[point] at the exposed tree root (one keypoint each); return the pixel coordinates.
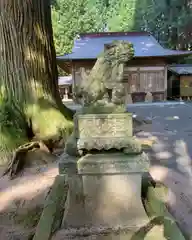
(46, 131)
(30, 106)
(19, 157)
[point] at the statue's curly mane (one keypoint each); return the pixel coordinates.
(106, 73)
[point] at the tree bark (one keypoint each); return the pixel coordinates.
(30, 105)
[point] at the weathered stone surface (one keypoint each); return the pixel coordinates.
(74, 206)
(109, 181)
(104, 131)
(105, 125)
(74, 215)
(109, 128)
(67, 164)
(157, 210)
(51, 217)
(133, 146)
(102, 108)
(119, 93)
(105, 188)
(127, 145)
(110, 202)
(94, 234)
(71, 145)
(160, 226)
(113, 163)
(155, 232)
(106, 75)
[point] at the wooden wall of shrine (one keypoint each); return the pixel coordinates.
(140, 76)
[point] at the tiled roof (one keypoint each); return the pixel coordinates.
(89, 46)
(181, 69)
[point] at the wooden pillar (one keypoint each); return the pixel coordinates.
(165, 84)
(73, 80)
(66, 90)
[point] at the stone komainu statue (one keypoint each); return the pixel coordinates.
(105, 81)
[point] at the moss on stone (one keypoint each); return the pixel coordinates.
(104, 82)
(53, 211)
(156, 209)
(25, 218)
(101, 108)
(30, 218)
(71, 146)
(133, 146)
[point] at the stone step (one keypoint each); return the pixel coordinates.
(148, 232)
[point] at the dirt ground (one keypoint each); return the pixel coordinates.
(22, 199)
(28, 192)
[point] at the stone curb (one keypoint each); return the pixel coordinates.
(156, 208)
(51, 217)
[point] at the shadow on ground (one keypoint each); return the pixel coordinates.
(22, 201)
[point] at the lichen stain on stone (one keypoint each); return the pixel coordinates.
(80, 198)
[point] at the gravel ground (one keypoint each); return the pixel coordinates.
(171, 155)
(172, 125)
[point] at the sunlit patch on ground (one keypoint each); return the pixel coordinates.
(25, 188)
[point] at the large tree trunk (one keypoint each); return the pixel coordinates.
(30, 105)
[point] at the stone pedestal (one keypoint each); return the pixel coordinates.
(105, 190)
(111, 192)
(74, 206)
(103, 131)
(112, 189)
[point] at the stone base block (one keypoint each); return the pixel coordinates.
(106, 192)
(114, 201)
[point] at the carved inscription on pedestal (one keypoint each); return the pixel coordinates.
(105, 125)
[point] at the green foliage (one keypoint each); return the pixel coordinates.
(69, 18)
(121, 15)
(168, 20)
